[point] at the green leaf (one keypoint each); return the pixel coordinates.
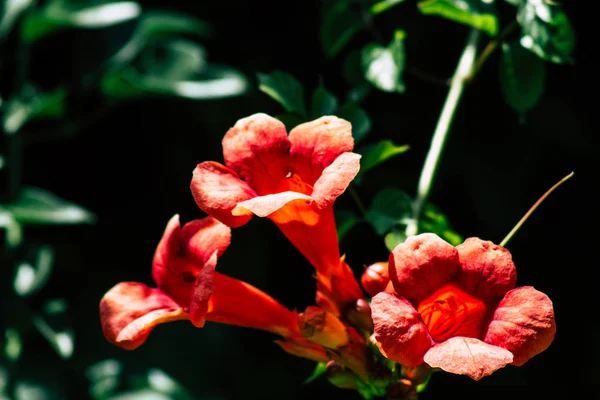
(285, 89)
(433, 220)
(319, 370)
(20, 110)
(11, 12)
(361, 123)
(546, 31)
(391, 211)
(341, 21)
(384, 5)
(522, 76)
(375, 154)
(175, 67)
(323, 103)
(32, 274)
(60, 14)
(155, 26)
(384, 66)
(394, 238)
(476, 13)
(13, 348)
(38, 206)
(389, 208)
(345, 220)
(61, 340)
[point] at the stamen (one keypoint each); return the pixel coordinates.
(450, 312)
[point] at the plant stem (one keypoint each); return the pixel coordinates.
(457, 85)
(357, 200)
(490, 48)
(532, 209)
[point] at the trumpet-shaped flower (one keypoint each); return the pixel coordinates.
(456, 308)
(293, 180)
(188, 288)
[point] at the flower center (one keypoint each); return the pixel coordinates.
(293, 182)
(450, 312)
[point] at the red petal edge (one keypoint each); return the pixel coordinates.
(468, 356)
(523, 323)
(400, 334)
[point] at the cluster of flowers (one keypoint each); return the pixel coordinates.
(430, 306)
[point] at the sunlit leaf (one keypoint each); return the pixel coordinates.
(10, 12)
(546, 31)
(13, 346)
(361, 123)
(62, 341)
(375, 154)
(390, 207)
(394, 238)
(384, 66)
(479, 14)
(14, 230)
(141, 394)
(104, 377)
(153, 26)
(174, 67)
(31, 105)
(60, 14)
(285, 89)
(160, 382)
(384, 5)
(323, 103)
(433, 220)
(345, 220)
(38, 206)
(28, 390)
(167, 23)
(522, 77)
(341, 21)
(33, 272)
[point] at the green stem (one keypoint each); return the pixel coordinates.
(457, 85)
(357, 200)
(532, 209)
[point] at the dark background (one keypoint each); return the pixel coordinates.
(133, 169)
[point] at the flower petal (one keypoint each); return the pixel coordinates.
(335, 179)
(401, 335)
(468, 356)
(264, 206)
(168, 249)
(238, 303)
(487, 270)
(217, 190)
(523, 323)
(130, 310)
(421, 265)
(200, 238)
(174, 274)
(316, 144)
(302, 347)
(203, 290)
(256, 148)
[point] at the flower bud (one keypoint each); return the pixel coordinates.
(359, 315)
(375, 278)
(322, 327)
